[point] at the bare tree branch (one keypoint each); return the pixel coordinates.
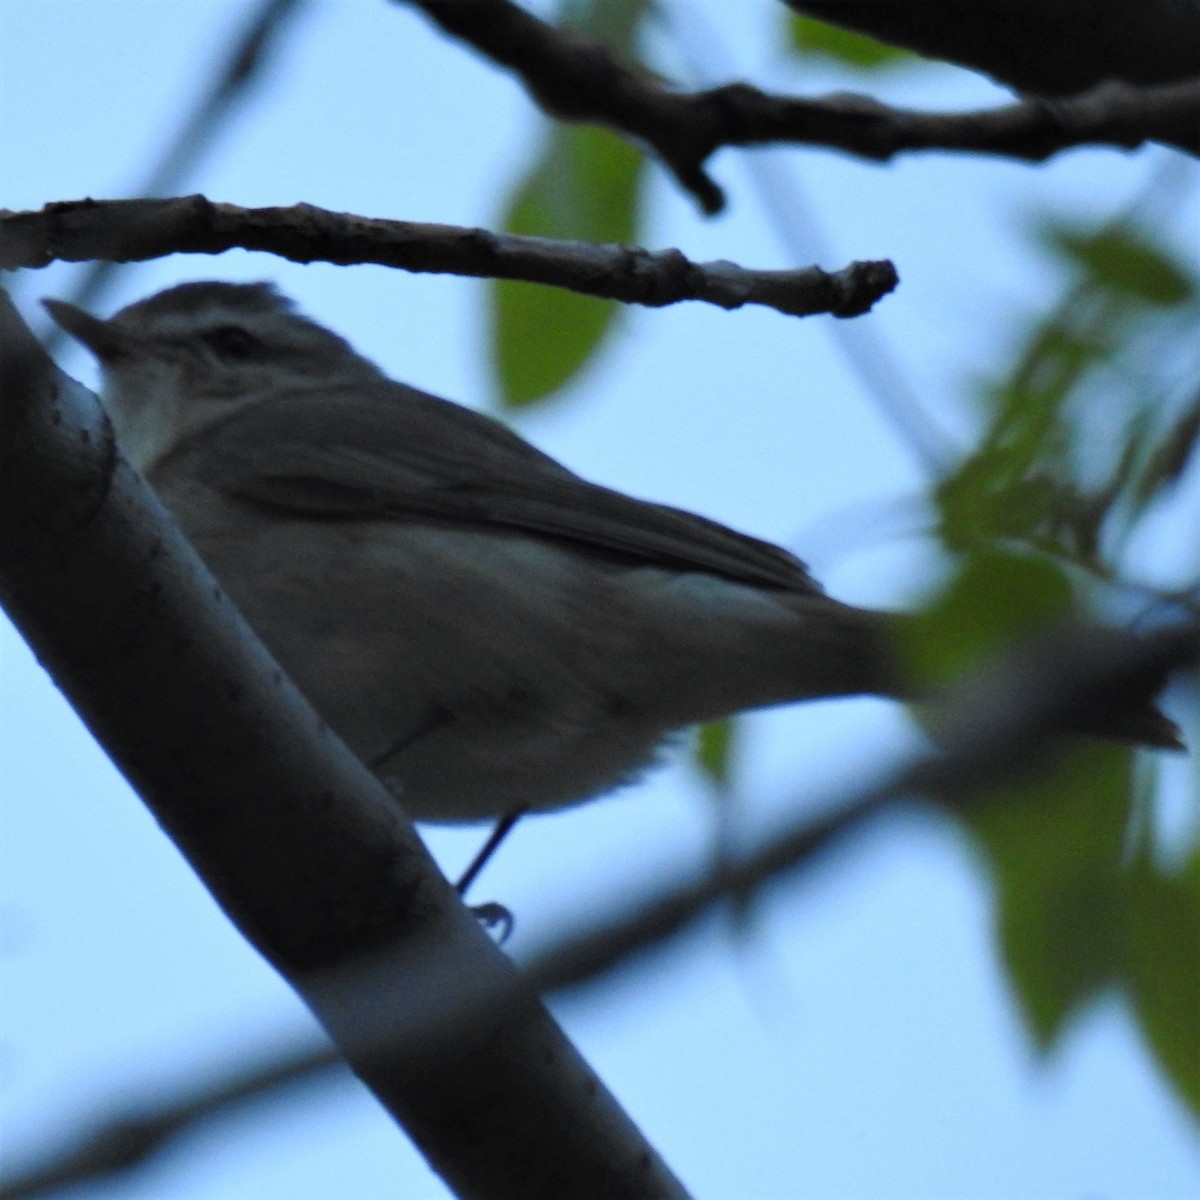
(1002, 725)
(294, 838)
(576, 78)
(998, 727)
(118, 1144)
(579, 79)
(1047, 47)
(1112, 114)
(132, 230)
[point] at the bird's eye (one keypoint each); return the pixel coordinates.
(231, 341)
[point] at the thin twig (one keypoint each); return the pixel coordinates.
(142, 1128)
(134, 230)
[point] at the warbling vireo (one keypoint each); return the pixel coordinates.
(488, 631)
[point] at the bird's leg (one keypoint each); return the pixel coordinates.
(491, 914)
(501, 830)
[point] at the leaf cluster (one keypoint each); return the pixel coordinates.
(1094, 422)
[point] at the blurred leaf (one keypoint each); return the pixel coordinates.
(1066, 463)
(1082, 429)
(1054, 846)
(717, 748)
(1133, 452)
(1163, 965)
(585, 186)
(995, 597)
(1123, 259)
(989, 499)
(810, 38)
(1017, 483)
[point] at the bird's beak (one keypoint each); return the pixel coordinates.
(108, 342)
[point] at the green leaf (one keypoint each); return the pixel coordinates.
(585, 185)
(1163, 966)
(1023, 482)
(1124, 260)
(1054, 846)
(1075, 444)
(988, 498)
(717, 746)
(809, 38)
(995, 597)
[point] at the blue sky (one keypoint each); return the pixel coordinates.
(860, 1044)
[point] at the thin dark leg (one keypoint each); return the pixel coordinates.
(499, 833)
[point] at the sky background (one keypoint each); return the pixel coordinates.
(860, 1043)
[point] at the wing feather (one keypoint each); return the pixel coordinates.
(392, 452)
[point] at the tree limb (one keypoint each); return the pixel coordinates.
(1003, 724)
(1111, 114)
(134, 230)
(298, 843)
(579, 79)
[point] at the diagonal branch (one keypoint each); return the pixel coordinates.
(1003, 724)
(998, 727)
(133, 230)
(131, 1134)
(579, 79)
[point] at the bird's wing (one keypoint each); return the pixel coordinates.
(392, 452)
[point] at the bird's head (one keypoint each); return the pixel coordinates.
(190, 356)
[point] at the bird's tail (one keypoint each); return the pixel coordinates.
(1124, 710)
(1102, 682)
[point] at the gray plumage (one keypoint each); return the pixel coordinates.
(486, 629)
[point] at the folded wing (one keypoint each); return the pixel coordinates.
(392, 452)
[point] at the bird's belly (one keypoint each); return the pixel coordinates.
(476, 673)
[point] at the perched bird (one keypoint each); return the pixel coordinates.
(489, 632)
